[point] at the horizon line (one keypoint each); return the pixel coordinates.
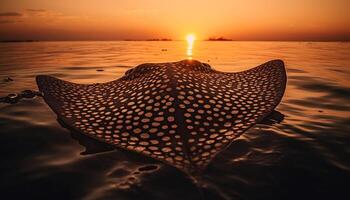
(147, 40)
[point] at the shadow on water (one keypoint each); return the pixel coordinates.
(276, 166)
(91, 145)
(273, 118)
(312, 84)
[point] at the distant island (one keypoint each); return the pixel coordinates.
(9, 41)
(162, 39)
(152, 39)
(218, 39)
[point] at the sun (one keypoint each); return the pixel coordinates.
(190, 39)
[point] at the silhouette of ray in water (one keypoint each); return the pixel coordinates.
(91, 145)
(273, 118)
(181, 113)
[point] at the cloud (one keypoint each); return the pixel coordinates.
(35, 10)
(34, 15)
(11, 14)
(42, 13)
(38, 12)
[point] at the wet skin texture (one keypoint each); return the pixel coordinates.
(182, 113)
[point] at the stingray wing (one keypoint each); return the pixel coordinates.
(181, 113)
(217, 107)
(135, 112)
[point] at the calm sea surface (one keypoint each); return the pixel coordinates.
(306, 156)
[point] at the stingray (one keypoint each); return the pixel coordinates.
(181, 113)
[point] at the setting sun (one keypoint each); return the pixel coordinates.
(190, 38)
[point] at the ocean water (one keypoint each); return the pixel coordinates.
(304, 156)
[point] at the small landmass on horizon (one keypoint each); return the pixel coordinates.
(161, 39)
(218, 39)
(151, 39)
(9, 41)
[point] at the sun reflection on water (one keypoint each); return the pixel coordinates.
(190, 38)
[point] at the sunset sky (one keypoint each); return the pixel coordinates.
(145, 19)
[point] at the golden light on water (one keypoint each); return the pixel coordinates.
(190, 38)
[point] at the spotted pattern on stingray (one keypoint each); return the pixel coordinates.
(182, 113)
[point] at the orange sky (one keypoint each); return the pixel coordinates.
(144, 19)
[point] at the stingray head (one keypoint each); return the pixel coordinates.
(182, 113)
